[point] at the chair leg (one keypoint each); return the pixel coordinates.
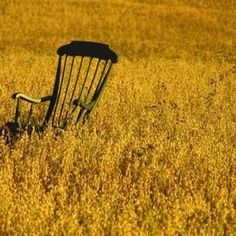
(17, 115)
(80, 117)
(27, 125)
(89, 113)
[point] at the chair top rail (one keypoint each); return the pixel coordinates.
(89, 49)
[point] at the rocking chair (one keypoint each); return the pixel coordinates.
(82, 73)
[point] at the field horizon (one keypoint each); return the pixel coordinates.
(158, 157)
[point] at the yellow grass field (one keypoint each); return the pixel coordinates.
(159, 155)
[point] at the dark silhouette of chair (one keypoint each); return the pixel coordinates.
(82, 73)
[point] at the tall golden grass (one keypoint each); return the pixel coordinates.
(159, 155)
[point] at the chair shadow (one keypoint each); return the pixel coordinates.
(9, 132)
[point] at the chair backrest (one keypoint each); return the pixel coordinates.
(82, 72)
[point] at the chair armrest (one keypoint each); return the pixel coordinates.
(87, 106)
(31, 99)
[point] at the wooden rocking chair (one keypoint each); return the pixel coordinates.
(82, 73)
